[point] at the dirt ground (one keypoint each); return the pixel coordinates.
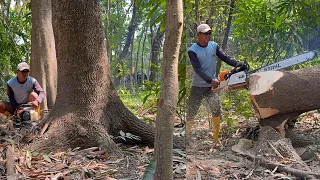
(208, 160)
(203, 160)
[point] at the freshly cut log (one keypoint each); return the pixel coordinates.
(279, 97)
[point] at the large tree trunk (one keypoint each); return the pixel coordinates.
(169, 91)
(87, 107)
(279, 97)
(43, 53)
(155, 54)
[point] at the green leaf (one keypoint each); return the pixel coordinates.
(279, 21)
(34, 154)
(163, 25)
(158, 19)
(154, 8)
(150, 170)
(138, 3)
(47, 158)
(145, 98)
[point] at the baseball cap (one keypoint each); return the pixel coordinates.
(23, 66)
(203, 28)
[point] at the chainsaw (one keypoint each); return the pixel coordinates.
(25, 112)
(238, 77)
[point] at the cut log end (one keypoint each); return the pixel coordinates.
(260, 83)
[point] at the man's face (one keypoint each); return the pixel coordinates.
(204, 37)
(22, 75)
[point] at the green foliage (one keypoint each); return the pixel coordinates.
(236, 104)
(153, 92)
(267, 31)
(15, 36)
(133, 101)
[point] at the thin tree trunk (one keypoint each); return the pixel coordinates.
(155, 55)
(137, 62)
(226, 35)
(211, 13)
(197, 11)
(142, 59)
(107, 4)
(131, 65)
(131, 29)
(169, 91)
(43, 53)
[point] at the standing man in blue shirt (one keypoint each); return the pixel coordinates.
(22, 89)
(203, 59)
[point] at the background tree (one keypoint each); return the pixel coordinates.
(129, 39)
(155, 54)
(43, 53)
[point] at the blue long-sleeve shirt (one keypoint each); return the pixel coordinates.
(204, 63)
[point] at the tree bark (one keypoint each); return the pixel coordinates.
(197, 11)
(226, 35)
(107, 4)
(87, 108)
(131, 29)
(282, 96)
(43, 52)
(169, 91)
(142, 58)
(137, 62)
(155, 55)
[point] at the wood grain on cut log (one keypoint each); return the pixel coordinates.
(282, 96)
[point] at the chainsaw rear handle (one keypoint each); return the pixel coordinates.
(239, 67)
(22, 106)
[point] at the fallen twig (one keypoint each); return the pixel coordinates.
(283, 168)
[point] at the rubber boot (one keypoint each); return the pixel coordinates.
(216, 127)
(38, 111)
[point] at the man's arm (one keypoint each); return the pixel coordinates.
(197, 67)
(41, 94)
(225, 57)
(12, 100)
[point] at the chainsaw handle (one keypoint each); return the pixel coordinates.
(21, 106)
(239, 67)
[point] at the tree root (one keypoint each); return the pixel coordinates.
(272, 146)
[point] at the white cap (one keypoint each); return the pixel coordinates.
(203, 28)
(23, 66)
